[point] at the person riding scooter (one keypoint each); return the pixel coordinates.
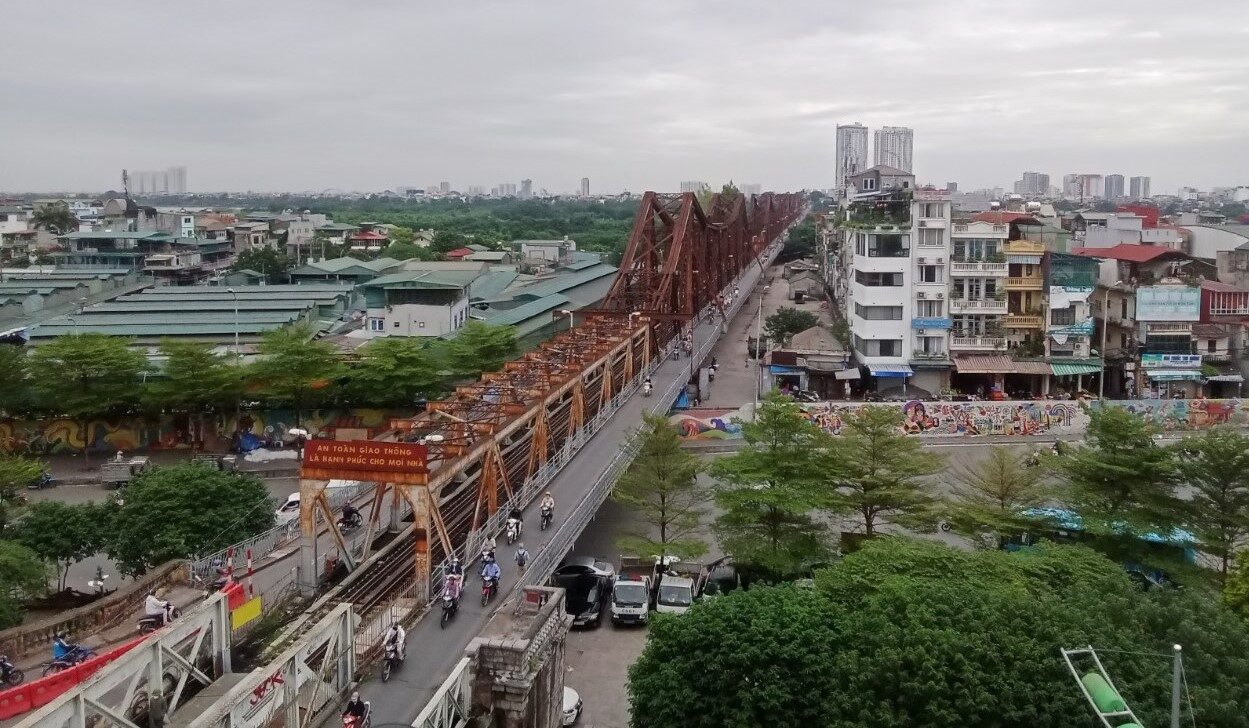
(515, 525)
(156, 608)
(398, 638)
(351, 515)
(647, 387)
(355, 711)
(487, 549)
(61, 647)
(547, 509)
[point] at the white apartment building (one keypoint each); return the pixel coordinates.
(893, 146)
(851, 153)
(978, 273)
(894, 258)
(1138, 188)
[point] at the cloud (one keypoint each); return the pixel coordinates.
(287, 95)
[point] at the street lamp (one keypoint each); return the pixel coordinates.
(1101, 383)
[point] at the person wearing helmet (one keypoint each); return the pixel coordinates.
(548, 501)
(456, 567)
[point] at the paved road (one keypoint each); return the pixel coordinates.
(433, 651)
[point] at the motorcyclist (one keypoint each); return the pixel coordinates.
(490, 571)
(350, 513)
(156, 607)
(548, 501)
(647, 387)
(355, 710)
(516, 515)
(452, 587)
(397, 637)
(487, 549)
(456, 568)
(61, 646)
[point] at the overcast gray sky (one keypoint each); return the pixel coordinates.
(279, 95)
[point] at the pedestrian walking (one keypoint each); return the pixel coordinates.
(522, 557)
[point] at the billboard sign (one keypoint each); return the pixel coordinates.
(386, 462)
(1168, 303)
(1170, 361)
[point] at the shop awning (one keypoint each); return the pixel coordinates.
(984, 364)
(1070, 369)
(1023, 259)
(890, 370)
(1174, 375)
(1227, 378)
(851, 373)
(775, 369)
(824, 363)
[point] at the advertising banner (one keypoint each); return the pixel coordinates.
(389, 462)
(1168, 303)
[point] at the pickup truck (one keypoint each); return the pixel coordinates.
(679, 585)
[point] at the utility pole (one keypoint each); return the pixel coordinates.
(1177, 670)
(758, 353)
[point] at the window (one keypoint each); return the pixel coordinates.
(377, 324)
(931, 209)
(888, 246)
(890, 347)
(1210, 347)
(929, 274)
(929, 308)
(877, 279)
(878, 313)
(931, 238)
(1063, 317)
(869, 183)
(1124, 306)
(396, 324)
(878, 347)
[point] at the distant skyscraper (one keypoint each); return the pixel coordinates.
(526, 189)
(1113, 186)
(1033, 183)
(170, 181)
(752, 188)
(893, 147)
(476, 190)
(585, 186)
(444, 187)
(851, 152)
(1139, 188)
(692, 185)
(505, 189)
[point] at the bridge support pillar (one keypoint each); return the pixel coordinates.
(309, 568)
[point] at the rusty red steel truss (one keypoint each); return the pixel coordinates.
(487, 440)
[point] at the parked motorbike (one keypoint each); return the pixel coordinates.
(546, 518)
(152, 622)
(513, 530)
(43, 481)
(449, 608)
(76, 654)
(488, 588)
(9, 674)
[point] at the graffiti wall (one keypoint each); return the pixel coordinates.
(1021, 419)
(214, 432)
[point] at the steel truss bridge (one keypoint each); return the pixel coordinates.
(492, 445)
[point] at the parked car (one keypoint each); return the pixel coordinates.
(587, 565)
(289, 510)
(572, 706)
(585, 596)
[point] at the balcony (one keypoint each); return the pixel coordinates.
(978, 305)
(962, 227)
(963, 268)
(931, 222)
(981, 342)
(929, 356)
(1025, 283)
(1024, 247)
(1024, 321)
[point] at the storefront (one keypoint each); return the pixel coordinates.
(890, 377)
(1168, 376)
(1073, 376)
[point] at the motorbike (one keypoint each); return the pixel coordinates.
(43, 481)
(647, 388)
(488, 588)
(711, 373)
(350, 721)
(390, 661)
(449, 608)
(76, 655)
(9, 674)
(513, 530)
(346, 522)
(152, 622)
(546, 517)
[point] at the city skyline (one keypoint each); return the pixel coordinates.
(620, 101)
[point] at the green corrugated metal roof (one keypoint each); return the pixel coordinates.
(561, 283)
(314, 287)
(115, 235)
(1072, 367)
(338, 265)
(425, 279)
(155, 330)
(90, 319)
(492, 284)
(519, 315)
(159, 305)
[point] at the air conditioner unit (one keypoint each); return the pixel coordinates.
(920, 331)
(921, 261)
(922, 223)
(940, 261)
(921, 294)
(940, 295)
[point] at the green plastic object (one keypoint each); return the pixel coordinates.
(1130, 725)
(1104, 696)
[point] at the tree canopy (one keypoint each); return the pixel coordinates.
(63, 533)
(786, 322)
(481, 347)
(55, 217)
(913, 633)
(1215, 464)
(271, 262)
(396, 371)
(185, 510)
(194, 378)
(661, 489)
(991, 496)
(22, 575)
(294, 367)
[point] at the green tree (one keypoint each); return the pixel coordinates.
(395, 371)
(661, 489)
(481, 347)
(786, 322)
(1236, 586)
(1215, 465)
(1121, 478)
(22, 575)
(409, 251)
(183, 511)
(269, 261)
(880, 473)
(990, 496)
(56, 218)
(802, 241)
(769, 489)
(15, 396)
(445, 241)
(85, 376)
(294, 368)
(195, 380)
(16, 473)
(913, 633)
(62, 533)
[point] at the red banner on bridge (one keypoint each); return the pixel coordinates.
(389, 462)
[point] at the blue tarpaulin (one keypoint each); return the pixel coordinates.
(890, 370)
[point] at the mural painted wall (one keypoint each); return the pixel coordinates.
(1020, 419)
(178, 432)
